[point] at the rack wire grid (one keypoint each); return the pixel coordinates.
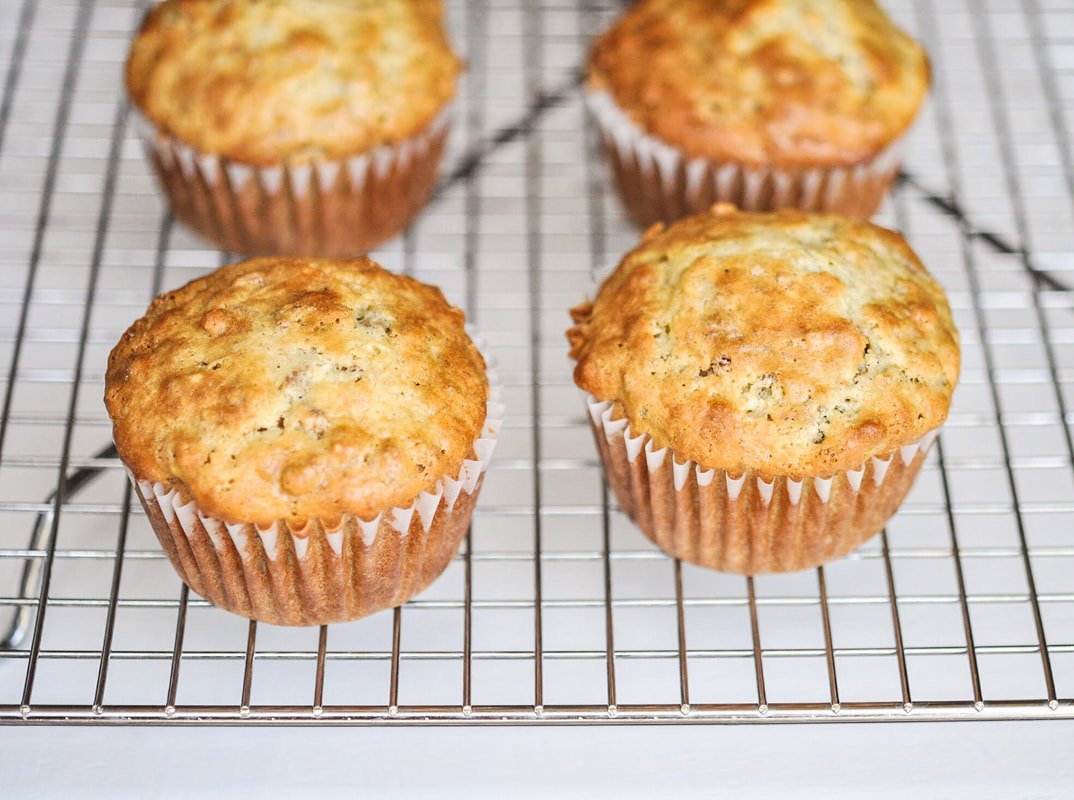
(557, 609)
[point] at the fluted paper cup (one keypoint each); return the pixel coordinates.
(325, 571)
(324, 208)
(743, 523)
(660, 183)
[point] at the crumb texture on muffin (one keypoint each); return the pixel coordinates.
(267, 81)
(783, 343)
(297, 389)
(794, 83)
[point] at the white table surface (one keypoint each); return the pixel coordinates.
(942, 760)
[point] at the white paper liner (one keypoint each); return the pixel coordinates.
(658, 182)
(744, 523)
(243, 565)
(283, 209)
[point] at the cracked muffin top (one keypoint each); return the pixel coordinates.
(792, 83)
(784, 343)
(297, 389)
(267, 81)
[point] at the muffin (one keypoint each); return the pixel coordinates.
(307, 436)
(766, 104)
(294, 127)
(764, 387)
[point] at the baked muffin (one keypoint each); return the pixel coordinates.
(763, 103)
(307, 436)
(764, 386)
(310, 127)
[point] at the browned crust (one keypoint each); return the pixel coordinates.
(297, 389)
(295, 81)
(812, 83)
(786, 344)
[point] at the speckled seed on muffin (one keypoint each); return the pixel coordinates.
(795, 366)
(764, 103)
(307, 435)
(294, 126)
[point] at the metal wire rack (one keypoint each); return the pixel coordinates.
(557, 609)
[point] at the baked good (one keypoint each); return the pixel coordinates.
(764, 386)
(307, 436)
(762, 103)
(309, 127)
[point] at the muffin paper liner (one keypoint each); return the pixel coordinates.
(659, 183)
(330, 208)
(743, 523)
(325, 571)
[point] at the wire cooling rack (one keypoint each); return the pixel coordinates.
(557, 609)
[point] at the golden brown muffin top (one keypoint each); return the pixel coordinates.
(786, 343)
(267, 81)
(285, 388)
(789, 83)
